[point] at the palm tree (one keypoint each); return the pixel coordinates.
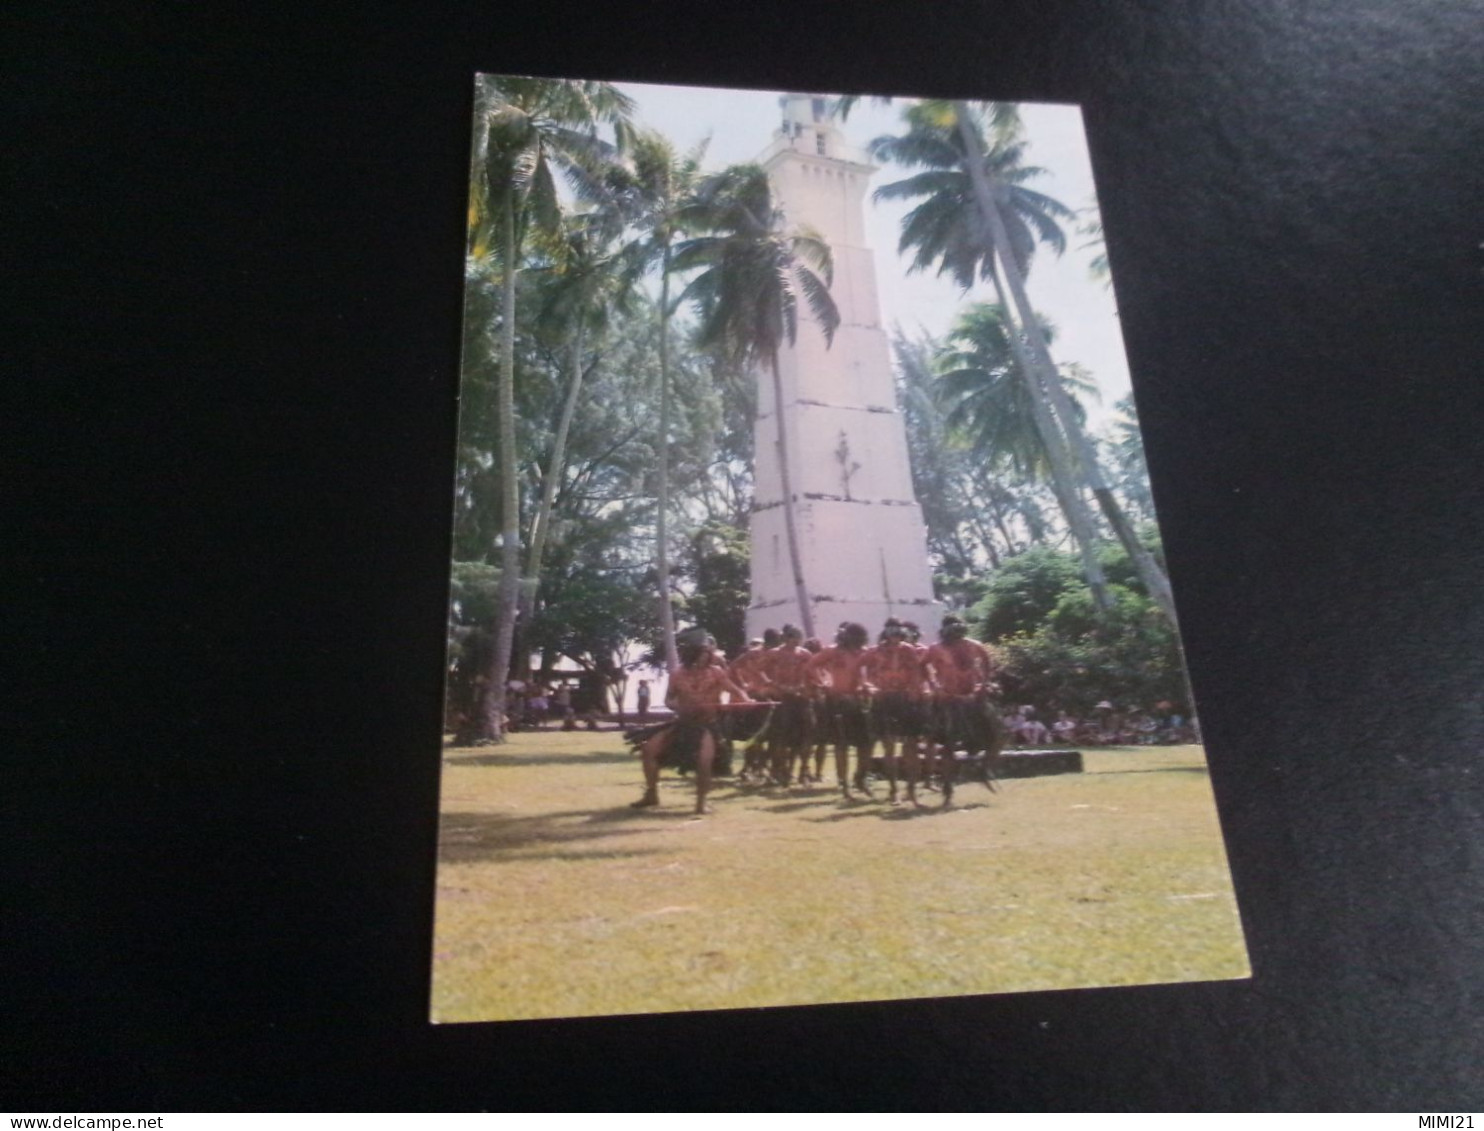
(987, 396)
(1092, 227)
(527, 130)
(1127, 447)
(947, 230)
(995, 197)
(996, 400)
(937, 457)
(584, 286)
(755, 276)
(652, 196)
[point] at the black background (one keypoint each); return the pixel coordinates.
(233, 313)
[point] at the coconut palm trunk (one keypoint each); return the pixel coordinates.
(662, 531)
(790, 506)
(999, 522)
(493, 714)
(541, 526)
(1064, 483)
(1154, 579)
(1063, 477)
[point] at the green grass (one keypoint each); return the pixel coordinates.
(556, 900)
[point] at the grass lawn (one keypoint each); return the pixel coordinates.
(555, 899)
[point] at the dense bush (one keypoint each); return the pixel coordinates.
(1058, 653)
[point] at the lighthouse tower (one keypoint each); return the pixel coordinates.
(862, 541)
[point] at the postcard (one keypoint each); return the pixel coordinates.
(810, 637)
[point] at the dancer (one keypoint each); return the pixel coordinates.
(693, 738)
(962, 673)
(788, 675)
(750, 672)
(893, 671)
(844, 710)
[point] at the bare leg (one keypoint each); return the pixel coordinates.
(650, 753)
(889, 749)
(862, 768)
(704, 758)
(910, 749)
(778, 752)
(948, 758)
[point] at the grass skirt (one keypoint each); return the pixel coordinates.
(968, 723)
(683, 744)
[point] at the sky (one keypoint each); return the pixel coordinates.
(741, 124)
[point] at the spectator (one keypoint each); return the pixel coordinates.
(1065, 727)
(562, 703)
(537, 706)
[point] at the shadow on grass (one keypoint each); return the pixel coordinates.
(796, 806)
(604, 759)
(904, 812)
(1156, 770)
(472, 838)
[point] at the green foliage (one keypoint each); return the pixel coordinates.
(1128, 655)
(755, 274)
(473, 593)
(977, 511)
(1131, 473)
(1059, 651)
(946, 229)
(720, 566)
(1022, 594)
(590, 614)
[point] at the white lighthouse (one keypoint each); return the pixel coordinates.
(863, 545)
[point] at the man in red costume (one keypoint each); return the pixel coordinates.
(962, 673)
(788, 676)
(843, 709)
(750, 671)
(893, 671)
(693, 738)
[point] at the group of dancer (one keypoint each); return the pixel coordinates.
(789, 701)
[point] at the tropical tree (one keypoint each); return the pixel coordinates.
(947, 231)
(717, 558)
(1126, 445)
(989, 396)
(584, 288)
(996, 197)
(755, 276)
(651, 196)
(1091, 226)
(991, 401)
(969, 504)
(985, 217)
(936, 456)
(1058, 651)
(527, 130)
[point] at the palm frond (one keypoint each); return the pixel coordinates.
(821, 305)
